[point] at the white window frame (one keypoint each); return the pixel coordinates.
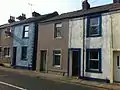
(93, 60)
(94, 25)
(9, 52)
(58, 66)
(57, 25)
(26, 31)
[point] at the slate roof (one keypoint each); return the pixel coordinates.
(33, 19)
(78, 13)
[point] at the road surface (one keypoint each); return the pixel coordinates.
(16, 81)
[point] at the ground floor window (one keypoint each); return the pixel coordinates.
(24, 53)
(93, 62)
(7, 52)
(56, 58)
(0, 52)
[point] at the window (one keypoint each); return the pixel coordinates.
(0, 52)
(25, 31)
(24, 53)
(7, 52)
(8, 32)
(56, 58)
(93, 62)
(118, 61)
(94, 26)
(58, 30)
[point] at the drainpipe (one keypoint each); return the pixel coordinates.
(111, 51)
(70, 36)
(83, 42)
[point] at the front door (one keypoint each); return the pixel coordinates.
(43, 60)
(76, 63)
(117, 66)
(14, 56)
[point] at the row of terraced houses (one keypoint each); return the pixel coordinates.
(83, 43)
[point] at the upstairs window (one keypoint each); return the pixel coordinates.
(0, 52)
(7, 52)
(94, 26)
(58, 30)
(25, 31)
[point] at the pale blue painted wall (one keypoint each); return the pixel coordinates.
(19, 41)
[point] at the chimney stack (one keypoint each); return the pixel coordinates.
(85, 5)
(21, 17)
(35, 14)
(11, 20)
(116, 1)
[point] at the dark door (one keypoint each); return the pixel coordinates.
(43, 60)
(14, 56)
(75, 63)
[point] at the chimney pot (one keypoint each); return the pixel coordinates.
(116, 1)
(85, 5)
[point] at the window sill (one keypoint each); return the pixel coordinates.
(58, 37)
(93, 71)
(56, 67)
(25, 37)
(93, 36)
(7, 56)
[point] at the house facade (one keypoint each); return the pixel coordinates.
(94, 36)
(25, 37)
(93, 47)
(5, 44)
(52, 54)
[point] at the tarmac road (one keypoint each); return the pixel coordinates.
(16, 81)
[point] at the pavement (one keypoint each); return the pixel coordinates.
(62, 79)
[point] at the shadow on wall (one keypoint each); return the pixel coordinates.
(17, 39)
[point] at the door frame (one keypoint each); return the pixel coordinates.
(115, 54)
(14, 61)
(70, 61)
(46, 60)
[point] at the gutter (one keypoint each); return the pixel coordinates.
(111, 51)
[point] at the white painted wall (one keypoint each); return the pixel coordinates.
(103, 42)
(116, 30)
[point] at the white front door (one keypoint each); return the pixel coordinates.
(117, 66)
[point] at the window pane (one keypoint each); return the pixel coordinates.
(93, 54)
(0, 49)
(24, 52)
(94, 21)
(59, 25)
(6, 51)
(58, 30)
(117, 60)
(26, 34)
(94, 30)
(26, 28)
(94, 64)
(59, 33)
(57, 59)
(57, 52)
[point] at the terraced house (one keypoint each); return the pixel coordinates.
(25, 40)
(6, 43)
(82, 43)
